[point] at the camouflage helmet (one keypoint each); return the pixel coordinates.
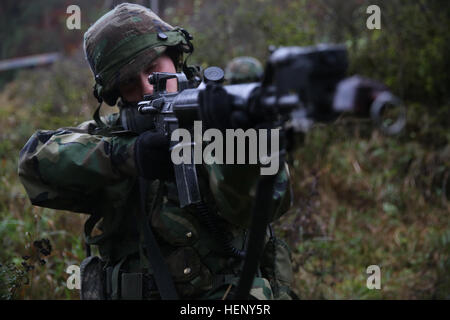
(125, 41)
(243, 69)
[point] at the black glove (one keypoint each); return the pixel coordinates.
(152, 156)
(216, 110)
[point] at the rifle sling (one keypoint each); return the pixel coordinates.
(262, 207)
(260, 218)
(161, 272)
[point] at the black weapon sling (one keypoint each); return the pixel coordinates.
(161, 272)
(260, 220)
(262, 206)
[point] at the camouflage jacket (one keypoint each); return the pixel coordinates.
(73, 169)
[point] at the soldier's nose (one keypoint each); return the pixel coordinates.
(146, 87)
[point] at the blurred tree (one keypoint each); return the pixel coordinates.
(409, 53)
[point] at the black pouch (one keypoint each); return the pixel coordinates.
(92, 275)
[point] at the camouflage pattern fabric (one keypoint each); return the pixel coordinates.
(243, 69)
(73, 165)
(71, 169)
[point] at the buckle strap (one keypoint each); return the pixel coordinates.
(163, 278)
(133, 286)
(115, 280)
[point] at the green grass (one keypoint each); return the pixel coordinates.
(370, 199)
(20, 222)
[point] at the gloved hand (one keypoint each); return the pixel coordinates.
(152, 156)
(356, 94)
(216, 110)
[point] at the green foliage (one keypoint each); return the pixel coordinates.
(237, 28)
(11, 278)
(371, 199)
(42, 99)
(410, 51)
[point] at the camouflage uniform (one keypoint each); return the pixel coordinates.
(93, 171)
(243, 69)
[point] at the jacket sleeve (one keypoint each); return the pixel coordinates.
(234, 191)
(68, 168)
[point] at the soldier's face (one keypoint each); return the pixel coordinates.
(135, 90)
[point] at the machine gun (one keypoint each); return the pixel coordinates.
(300, 86)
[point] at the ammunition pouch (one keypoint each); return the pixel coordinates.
(92, 279)
(100, 283)
(123, 285)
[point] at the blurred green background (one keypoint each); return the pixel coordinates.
(361, 198)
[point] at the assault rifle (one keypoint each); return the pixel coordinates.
(300, 86)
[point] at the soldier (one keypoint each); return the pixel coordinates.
(243, 69)
(94, 169)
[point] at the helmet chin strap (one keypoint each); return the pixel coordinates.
(189, 71)
(97, 118)
(96, 92)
